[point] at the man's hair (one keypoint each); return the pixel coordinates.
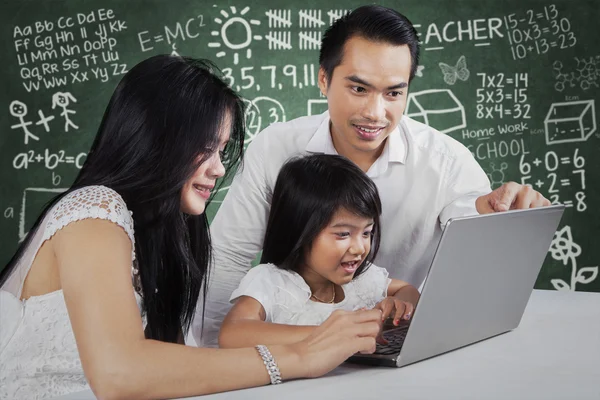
(375, 23)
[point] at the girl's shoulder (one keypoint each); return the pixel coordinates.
(283, 285)
(370, 287)
(279, 276)
(372, 273)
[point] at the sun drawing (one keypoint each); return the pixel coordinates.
(243, 25)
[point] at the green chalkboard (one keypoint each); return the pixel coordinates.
(515, 81)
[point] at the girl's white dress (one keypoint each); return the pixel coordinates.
(38, 353)
(285, 295)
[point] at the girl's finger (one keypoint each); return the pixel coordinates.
(409, 311)
(388, 307)
(400, 310)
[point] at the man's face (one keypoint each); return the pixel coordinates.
(366, 95)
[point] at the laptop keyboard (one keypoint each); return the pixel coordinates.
(395, 338)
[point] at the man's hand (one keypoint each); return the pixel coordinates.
(510, 196)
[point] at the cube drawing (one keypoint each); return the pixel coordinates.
(438, 108)
(570, 121)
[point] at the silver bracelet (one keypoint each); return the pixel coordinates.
(270, 364)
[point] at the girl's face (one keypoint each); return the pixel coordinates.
(339, 249)
(197, 189)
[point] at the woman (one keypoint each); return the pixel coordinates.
(103, 289)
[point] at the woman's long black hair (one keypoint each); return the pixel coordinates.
(308, 192)
(161, 123)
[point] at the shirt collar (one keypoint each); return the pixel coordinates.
(394, 150)
(321, 141)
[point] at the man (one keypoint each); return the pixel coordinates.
(367, 61)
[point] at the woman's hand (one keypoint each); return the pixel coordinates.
(343, 334)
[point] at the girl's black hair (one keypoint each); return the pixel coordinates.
(308, 192)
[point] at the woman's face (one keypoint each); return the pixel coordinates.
(197, 189)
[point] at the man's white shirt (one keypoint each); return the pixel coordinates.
(424, 178)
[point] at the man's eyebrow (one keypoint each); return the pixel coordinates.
(356, 79)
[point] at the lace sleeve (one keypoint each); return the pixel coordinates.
(97, 202)
(371, 287)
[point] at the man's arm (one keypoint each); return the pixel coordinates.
(237, 233)
(469, 192)
(464, 184)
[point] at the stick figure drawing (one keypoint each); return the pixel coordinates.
(62, 100)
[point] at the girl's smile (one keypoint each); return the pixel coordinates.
(338, 251)
(351, 266)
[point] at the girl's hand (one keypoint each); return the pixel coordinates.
(392, 306)
(343, 334)
(399, 308)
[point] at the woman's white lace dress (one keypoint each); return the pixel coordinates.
(285, 295)
(38, 354)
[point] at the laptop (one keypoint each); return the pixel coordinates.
(478, 284)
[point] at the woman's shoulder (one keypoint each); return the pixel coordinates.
(95, 202)
(97, 198)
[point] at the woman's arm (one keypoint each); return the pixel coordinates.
(245, 326)
(94, 259)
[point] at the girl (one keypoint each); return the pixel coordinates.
(105, 285)
(322, 235)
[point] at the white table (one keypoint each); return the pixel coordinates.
(553, 354)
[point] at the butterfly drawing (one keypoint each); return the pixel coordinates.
(460, 71)
(420, 69)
